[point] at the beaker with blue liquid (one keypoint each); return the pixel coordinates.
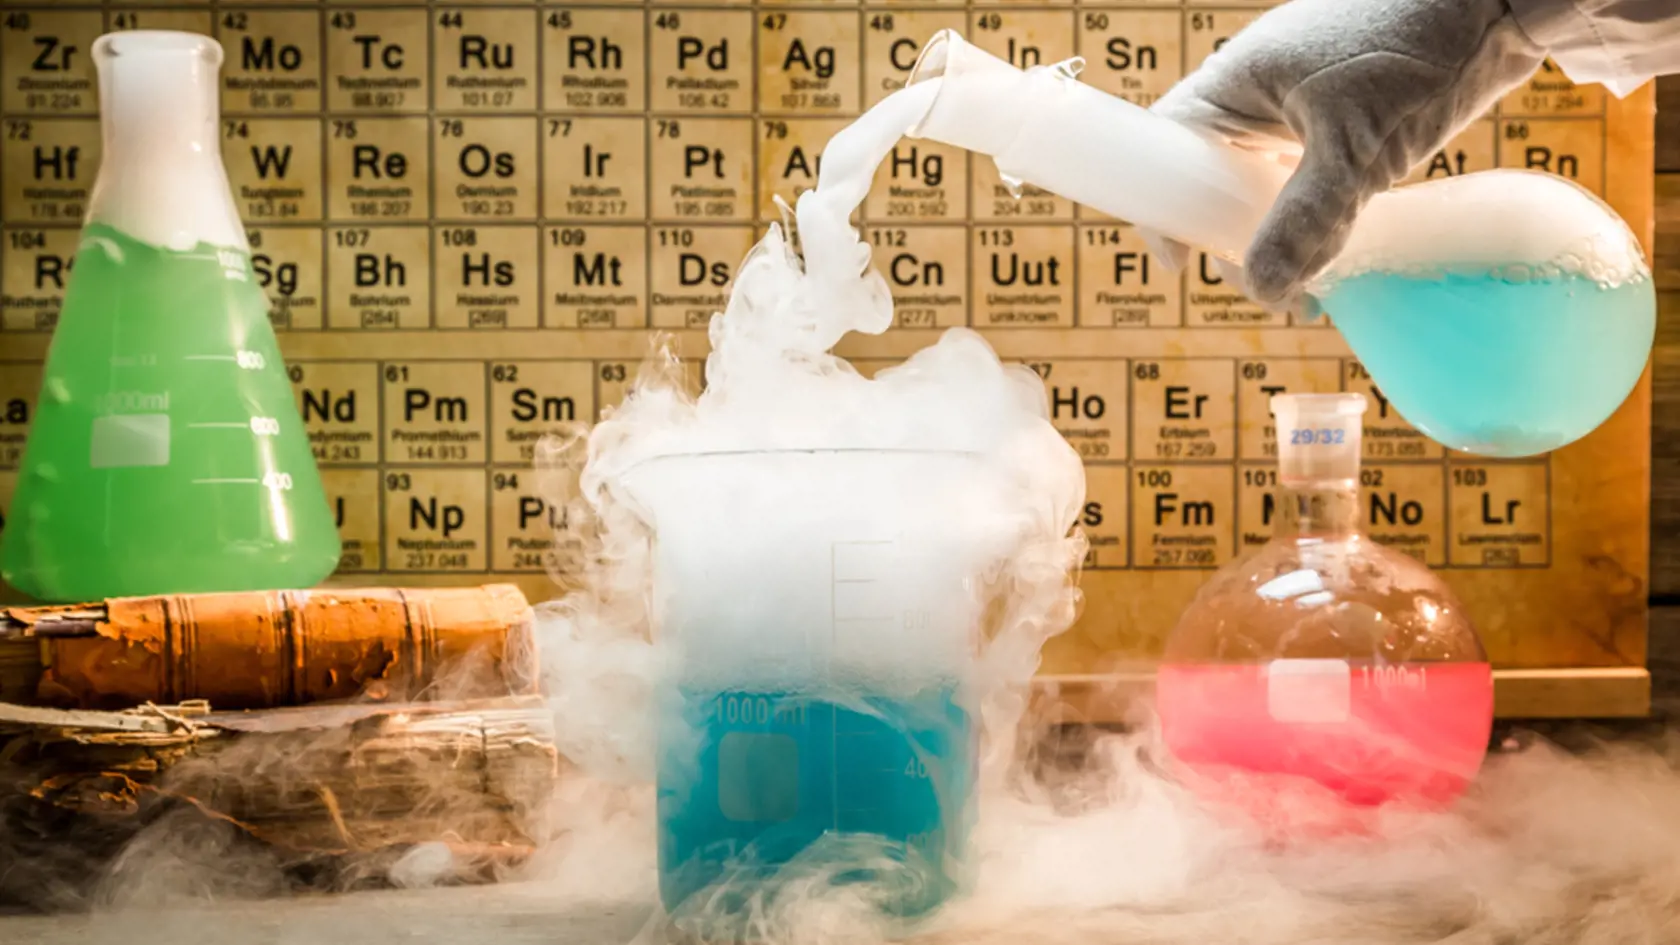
(819, 614)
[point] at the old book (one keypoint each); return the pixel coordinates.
(271, 648)
(343, 789)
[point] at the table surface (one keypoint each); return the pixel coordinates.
(510, 914)
(1570, 837)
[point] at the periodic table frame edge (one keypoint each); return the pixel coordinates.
(1613, 686)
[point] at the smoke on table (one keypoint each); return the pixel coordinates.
(1550, 846)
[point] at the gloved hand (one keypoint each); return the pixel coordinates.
(1354, 93)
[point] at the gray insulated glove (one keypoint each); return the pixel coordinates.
(1358, 92)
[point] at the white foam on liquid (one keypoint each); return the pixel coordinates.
(1514, 224)
(160, 177)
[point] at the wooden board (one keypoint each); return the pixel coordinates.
(469, 216)
(1665, 407)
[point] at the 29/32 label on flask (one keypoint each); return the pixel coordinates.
(1261, 379)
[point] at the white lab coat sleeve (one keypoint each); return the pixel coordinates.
(1620, 44)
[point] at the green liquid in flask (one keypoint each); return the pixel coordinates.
(167, 455)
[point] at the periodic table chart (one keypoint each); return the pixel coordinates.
(469, 218)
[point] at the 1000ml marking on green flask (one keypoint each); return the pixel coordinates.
(167, 455)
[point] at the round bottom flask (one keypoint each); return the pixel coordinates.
(1325, 673)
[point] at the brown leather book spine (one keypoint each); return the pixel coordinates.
(265, 649)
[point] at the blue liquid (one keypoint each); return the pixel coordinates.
(1494, 367)
(761, 787)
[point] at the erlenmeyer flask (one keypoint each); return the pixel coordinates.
(167, 454)
(1325, 673)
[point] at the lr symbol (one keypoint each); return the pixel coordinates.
(1491, 515)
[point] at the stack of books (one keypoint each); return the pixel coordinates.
(338, 729)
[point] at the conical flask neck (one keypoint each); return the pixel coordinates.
(161, 178)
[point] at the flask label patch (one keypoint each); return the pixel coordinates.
(1309, 691)
(134, 439)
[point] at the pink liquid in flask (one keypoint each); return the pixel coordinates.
(1368, 735)
(1324, 676)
